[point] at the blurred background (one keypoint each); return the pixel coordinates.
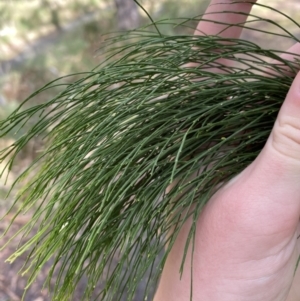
(41, 40)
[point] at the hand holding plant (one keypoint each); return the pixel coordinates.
(246, 243)
(191, 111)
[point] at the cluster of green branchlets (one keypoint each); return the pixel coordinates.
(119, 136)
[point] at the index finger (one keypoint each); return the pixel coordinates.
(217, 12)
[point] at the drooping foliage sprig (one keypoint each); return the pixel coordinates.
(160, 110)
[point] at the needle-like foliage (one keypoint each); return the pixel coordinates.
(161, 110)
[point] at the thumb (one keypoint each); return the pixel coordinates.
(284, 140)
(269, 188)
(280, 159)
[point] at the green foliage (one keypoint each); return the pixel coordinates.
(122, 133)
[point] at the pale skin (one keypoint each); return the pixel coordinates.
(246, 245)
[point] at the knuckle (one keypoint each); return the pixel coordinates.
(286, 137)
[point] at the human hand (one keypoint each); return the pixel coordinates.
(246, 245)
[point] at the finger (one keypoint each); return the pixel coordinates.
(278, 67)
(292, 54)
(215, 15)
(284, 140)
(219, 21)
